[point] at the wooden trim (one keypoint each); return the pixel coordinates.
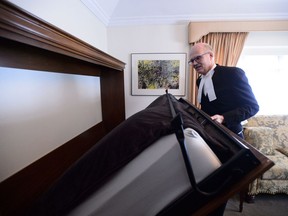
(112, 85)
(33, 58)
(30, 43)
(21, 26)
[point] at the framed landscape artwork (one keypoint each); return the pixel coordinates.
(153, 73)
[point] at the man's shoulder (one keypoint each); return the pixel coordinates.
(228, 69)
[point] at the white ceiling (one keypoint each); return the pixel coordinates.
(137, 12)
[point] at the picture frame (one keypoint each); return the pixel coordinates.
(153, 73)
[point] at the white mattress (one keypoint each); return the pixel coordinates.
(152, 180)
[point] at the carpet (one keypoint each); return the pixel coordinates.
(264, 205)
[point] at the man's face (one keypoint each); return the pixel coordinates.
(201, 61)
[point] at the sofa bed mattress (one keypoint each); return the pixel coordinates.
(152, 180)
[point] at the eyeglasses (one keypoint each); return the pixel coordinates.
(197, 58)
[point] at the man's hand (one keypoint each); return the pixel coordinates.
(218, 118)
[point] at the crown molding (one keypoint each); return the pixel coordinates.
(97, 10)
(110, 21)
(151, 20)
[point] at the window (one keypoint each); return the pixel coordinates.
(268, 77)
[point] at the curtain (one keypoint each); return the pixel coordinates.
(227, 47)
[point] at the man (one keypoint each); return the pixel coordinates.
(223, 92)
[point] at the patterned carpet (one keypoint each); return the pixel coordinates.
(265, 205)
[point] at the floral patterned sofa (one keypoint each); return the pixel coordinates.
(269, 134)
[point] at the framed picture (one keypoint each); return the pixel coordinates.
(153, 73)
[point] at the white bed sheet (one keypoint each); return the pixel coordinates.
(152, 180)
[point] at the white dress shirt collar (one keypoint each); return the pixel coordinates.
(206, 84)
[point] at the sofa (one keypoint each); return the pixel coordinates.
(269, 134)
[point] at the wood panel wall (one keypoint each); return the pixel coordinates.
(29, 43)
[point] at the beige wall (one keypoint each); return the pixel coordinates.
(145, 39)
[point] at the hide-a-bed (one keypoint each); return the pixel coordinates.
(126, 166)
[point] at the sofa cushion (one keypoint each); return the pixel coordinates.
(279, 123)
(261, 138)
(279, 171)
(281, 135)
(283, 151)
